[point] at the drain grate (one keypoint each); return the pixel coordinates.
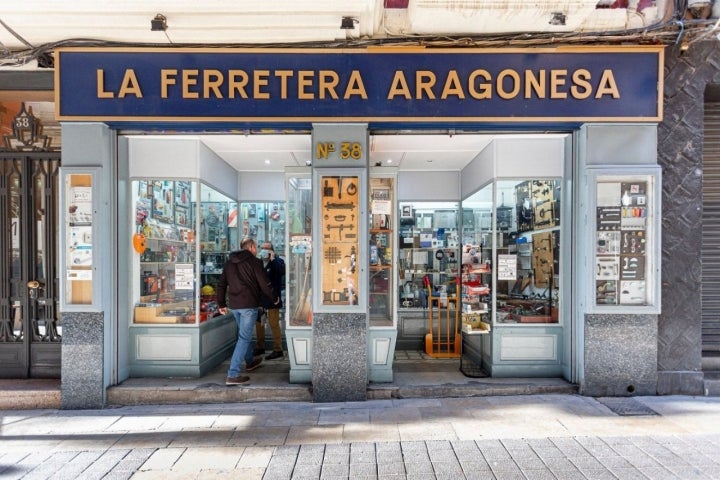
(626, 406)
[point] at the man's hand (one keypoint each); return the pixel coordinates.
(223, 310)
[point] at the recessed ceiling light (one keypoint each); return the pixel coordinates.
(267, 162)
(389, 160)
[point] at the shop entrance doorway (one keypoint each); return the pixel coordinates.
(30, 335)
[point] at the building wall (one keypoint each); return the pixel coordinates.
(680, 145)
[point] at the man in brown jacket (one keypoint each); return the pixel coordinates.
(241, 284)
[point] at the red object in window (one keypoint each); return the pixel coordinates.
(396, 3)
(615, 4)
(643, 4)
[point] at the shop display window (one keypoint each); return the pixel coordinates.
(381, 250)
(79, 219)
(298, 265)
(511, 254)
(340, 224)
(428, 253)
(218, 236)
(625, 247)
(183, 232)
(265, 222)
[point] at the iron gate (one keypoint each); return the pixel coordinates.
(30, 335)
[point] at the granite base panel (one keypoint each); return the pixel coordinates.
(82, 384)
(620, 355)
(339, 358)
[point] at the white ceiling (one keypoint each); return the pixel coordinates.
(274, 153)
(216, 22)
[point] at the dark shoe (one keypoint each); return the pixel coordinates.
(236, 380)
(254, 364)
(258, 351)
(274, 355)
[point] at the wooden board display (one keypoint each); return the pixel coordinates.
(340, 231)
(543, 258)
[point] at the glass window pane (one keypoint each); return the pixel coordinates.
(428, 251)
(382, 238)
(79, 251)
(511, 252)
(165, 248)
(527, 251)
(298, 266)
(623, 242)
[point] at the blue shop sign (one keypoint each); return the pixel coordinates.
(519, 85)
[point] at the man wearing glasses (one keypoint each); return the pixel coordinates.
(275, 270)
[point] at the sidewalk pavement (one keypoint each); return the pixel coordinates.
(506, 437)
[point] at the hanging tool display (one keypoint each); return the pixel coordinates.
(340, 216)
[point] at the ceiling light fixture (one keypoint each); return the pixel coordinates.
(159, 23)
(348, 23)
(558, 18)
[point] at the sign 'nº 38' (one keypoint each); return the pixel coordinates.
(345, 150)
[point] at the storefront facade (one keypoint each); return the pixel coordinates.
(534, 256)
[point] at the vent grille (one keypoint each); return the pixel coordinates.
(711, 232)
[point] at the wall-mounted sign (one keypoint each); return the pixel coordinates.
(340, 145)
(303, 85)
(507, 267)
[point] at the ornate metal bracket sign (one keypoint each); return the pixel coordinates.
(27, 133)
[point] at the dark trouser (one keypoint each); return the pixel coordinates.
(273, 318)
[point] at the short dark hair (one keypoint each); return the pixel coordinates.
(269, 244)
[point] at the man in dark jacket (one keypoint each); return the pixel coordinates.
(275, 270)
(240, 287)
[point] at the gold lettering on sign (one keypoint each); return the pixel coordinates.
(189, 79)
(557, 80)
(514, 80)
(305, 83)
(581, 88)
(167, 78)
(350, 150)
(399, 86)
(283, 75)
(453, 86)
(212, 81)
(101, 93)
(329, 80)
(424, 82)
(130, 85)
(607, 85)
(483, 90)
(355, 86)
(508, 84)
(324, 149)
(423, 85)
(260, 80)
(237, 81)
(535, 84)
